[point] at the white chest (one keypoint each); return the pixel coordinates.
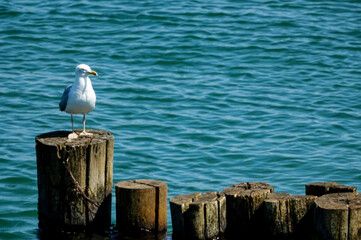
(81, 98)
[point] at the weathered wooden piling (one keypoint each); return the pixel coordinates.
(141, 205)
(244, 209)
(338, 216)
(178, 206)
(322, 188)
(197, 216)
(289, 216)
(74, 180)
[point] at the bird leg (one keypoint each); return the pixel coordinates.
(72, 135)
(84, 133)
(72, 123)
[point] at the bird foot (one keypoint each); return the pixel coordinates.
(72, 136)
(85, 134)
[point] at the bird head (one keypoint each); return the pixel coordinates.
(84, 70)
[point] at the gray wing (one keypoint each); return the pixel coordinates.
(64, 98)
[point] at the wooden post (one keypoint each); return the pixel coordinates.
(289, 216)
(322, 188)
(338, 216)
(196, 216)
(141, 205)
(75, 181)
(178, 206)
(244, 209)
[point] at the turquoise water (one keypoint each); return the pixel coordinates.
(199, 94)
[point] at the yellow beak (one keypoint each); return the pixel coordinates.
(94, 73)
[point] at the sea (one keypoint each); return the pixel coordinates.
(198, 94)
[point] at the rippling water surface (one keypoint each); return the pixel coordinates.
(199, 94)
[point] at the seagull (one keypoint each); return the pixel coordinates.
(79, 97)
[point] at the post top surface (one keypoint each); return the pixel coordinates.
(61, 137)
(338, 200)
(141, 183)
